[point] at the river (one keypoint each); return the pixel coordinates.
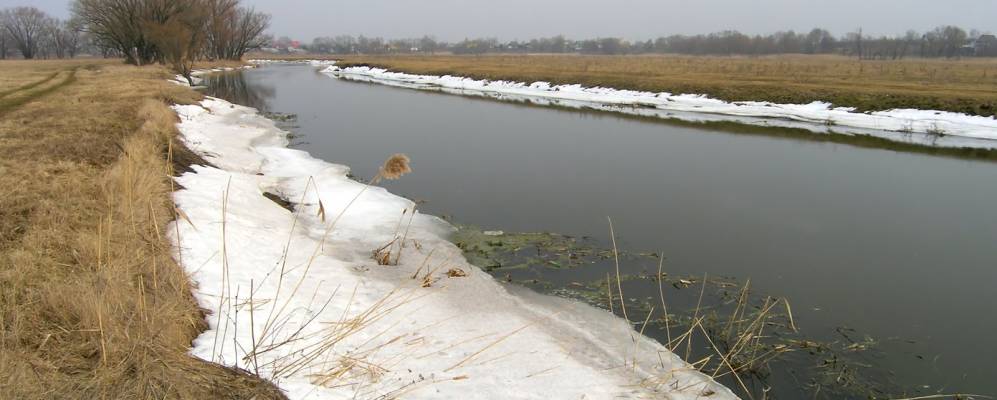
(872, 244)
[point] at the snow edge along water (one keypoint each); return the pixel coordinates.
(923, 127)
(308, 308)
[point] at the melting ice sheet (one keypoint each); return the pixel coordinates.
(307, 307)
(925, 127)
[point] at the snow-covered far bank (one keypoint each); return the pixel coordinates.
(316, 63)
(197, 73)
(298, 297)
(925, 127)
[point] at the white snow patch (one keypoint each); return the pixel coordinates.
(351, 328)
(927, 127)
(317, 63)
(197, 73)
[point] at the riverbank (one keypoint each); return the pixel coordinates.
(962, 86)
(300, 294)
(92, 304)
(918, 127)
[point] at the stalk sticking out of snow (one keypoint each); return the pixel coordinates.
(478, 340)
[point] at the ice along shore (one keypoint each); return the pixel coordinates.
(922, 127)
(296, 296)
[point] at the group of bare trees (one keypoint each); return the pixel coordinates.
(174, 32)
(944, 41)
(345, 44)
(33, 34)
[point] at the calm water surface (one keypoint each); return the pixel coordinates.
(900, 247)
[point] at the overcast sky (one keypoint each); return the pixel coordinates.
(631, 19)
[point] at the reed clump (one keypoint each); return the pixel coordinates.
(393, 168)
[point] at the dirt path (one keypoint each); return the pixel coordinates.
(12, 99)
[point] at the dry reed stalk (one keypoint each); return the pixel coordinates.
(310, 183)
(723, 358)
(252, 329)
(789, 312)
(344, 329)
(609, 292)
(616, 259)
(749, 333)
(424, 262)
(641, 334)
(383, 254)
(490, 345)
(741, 302)
(661, 294)
(393, 168)
(225, 279)
(452, 345)
(695, 315)
(426, 281)
(405, 235)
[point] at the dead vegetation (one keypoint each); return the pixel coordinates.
(92, 304)
(968, 86)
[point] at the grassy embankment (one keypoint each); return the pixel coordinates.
(92, 304)
(967, 85)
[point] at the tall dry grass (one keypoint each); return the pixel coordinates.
(967, 85)
(92, 304)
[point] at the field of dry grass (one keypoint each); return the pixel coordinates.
(967, 85)
(92, 304)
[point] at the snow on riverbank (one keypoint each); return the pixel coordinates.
(936, 128)
(197, 73)
(307, 306)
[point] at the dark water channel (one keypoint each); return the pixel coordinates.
(892, 249)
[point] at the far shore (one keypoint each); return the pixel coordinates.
(966, 86)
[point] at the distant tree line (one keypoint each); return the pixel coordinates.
(30, 33)
(173, 32)
(944, 41)
(147, 31)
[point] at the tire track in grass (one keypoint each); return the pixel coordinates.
(10, 104)
(29, 86)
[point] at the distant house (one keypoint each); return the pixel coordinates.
(985, 46)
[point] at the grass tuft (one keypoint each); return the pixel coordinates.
(92, 303)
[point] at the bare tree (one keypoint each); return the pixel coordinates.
(119, 24)
(4, 40)
(219, 28)
(247, 27)
(180, 39)
(858, 43)
(62, 38)
(25, 27)
(73, 37)
(953, 38)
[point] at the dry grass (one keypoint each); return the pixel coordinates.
(92, 304)
(968, 85)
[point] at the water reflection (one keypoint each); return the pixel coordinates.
(856, 232)
(234, 87)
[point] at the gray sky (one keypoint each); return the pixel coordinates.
(632, 19)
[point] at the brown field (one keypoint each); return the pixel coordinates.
(967, 85)
(92, 304)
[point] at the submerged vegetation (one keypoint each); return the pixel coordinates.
(749, 341)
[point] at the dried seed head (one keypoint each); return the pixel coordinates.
(395, 166)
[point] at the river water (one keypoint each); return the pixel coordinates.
(894, 247)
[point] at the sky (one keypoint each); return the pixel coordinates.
(631, 19)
